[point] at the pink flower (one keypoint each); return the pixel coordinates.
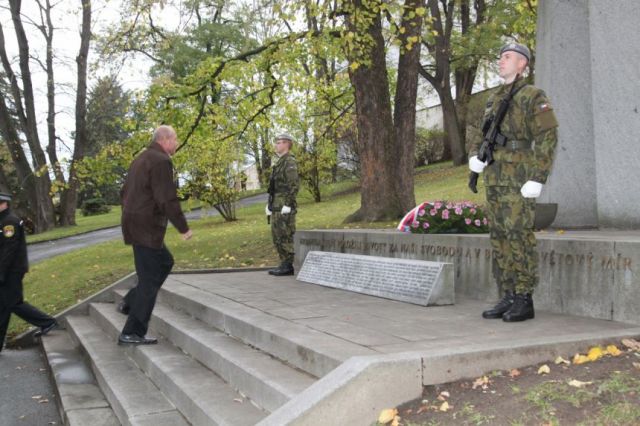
(467, 221)
(433, 212)
(437, 205)
(445, 214)
(415, 224)
(477, 222)
(485, 221)
(472, 211)
(421, 212)
(458, 210)
(449, 205)
(425, 225)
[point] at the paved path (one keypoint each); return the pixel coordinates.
(47, 249)
(26, 394)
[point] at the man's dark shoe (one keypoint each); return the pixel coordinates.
(45, 330)
(521, 310)
(503, 306)
(285, 269)
(134, 339)
(123, 308)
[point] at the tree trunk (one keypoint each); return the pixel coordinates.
(26, 181)
(69, 199)
(404, 113)
(44, 217)
(47, 31)
(379, 199)
(454, 135)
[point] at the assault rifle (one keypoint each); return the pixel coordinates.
(491, 135)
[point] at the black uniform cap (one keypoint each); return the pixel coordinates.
(5, 197)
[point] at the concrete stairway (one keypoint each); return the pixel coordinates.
(217, 362)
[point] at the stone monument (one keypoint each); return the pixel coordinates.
(587, 60)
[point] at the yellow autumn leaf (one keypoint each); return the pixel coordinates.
(387, 415)
(595, 353)
(613, 350)
(561, 360)
(444, 407)
(636, 365)
(354, 66)
(420, 11)
(544, 369)
(396, 421)
(580, 359)
(578, 383)
(402, 30)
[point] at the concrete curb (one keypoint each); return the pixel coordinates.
(356, 391)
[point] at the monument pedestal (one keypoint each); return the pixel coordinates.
(587, 273)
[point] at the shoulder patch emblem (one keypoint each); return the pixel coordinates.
(8, 231)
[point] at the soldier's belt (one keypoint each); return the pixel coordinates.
(515, 145)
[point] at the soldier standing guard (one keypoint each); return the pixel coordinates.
(514, 180)
(13, 265)
(281, 208)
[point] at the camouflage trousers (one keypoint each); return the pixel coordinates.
(515, 259)
(283, 226)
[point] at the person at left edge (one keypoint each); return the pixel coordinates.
(14, 264)
(149, 201)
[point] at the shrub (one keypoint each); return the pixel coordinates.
(95, 206)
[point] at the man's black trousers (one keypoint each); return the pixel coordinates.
(11, 301)
(152, 267)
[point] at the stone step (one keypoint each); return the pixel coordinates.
(200, 395)
(133, 397)
(310, 350)
(269, 382)
(80, 400)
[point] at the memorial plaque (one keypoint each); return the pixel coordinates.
(415, 281)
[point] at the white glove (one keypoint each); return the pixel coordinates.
(285, 210)
(475, 165)
(266, 210)
(531, 189)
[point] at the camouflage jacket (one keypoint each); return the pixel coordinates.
(530, 127)
(285, 182)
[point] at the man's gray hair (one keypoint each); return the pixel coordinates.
(162, 132)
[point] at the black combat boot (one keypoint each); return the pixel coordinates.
(286, 269)
(277, 268)
(503, 306)
(522, 309)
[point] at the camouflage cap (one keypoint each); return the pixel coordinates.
(285, 136)
(517, 47)
(5, 197)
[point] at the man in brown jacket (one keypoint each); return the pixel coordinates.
(149, 201)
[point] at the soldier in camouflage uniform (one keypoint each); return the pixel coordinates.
(283, 188)
(513, 182)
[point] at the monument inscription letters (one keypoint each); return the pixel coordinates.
(414, 281)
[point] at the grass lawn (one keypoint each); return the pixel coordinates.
(62, 281)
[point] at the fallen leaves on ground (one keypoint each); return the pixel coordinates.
(445, 407)
(631, 344)
(514, 373)
(544, 369)
(595, 353)
(561, 360)
(579, 384)
(387, 415)
(482, 382)
(613, 350)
